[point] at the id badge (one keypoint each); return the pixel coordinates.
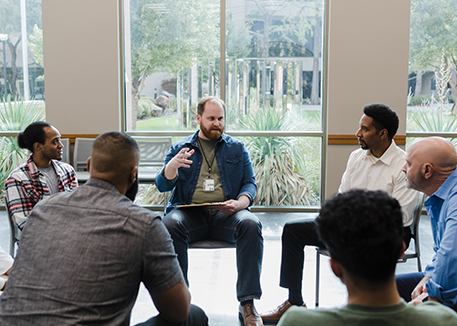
(208, 185)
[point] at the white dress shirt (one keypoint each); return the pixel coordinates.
(364, 171)
(5, 264)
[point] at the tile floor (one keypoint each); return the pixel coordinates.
(212, 274)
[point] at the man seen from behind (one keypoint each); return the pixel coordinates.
(84, 253)
(363, 233)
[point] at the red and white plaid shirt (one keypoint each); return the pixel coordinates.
(26, 186)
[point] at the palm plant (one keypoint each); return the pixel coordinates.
(149, 195)
(15, 116)
(277, 161)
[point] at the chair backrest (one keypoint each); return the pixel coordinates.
(83, 150)
(66, 150)
(416, 217)
(14, 231)
(153, 150)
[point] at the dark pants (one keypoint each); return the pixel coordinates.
(295, 236)
(243, 228)
(407, 282)
(197, 317)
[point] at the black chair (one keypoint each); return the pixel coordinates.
(416, 253)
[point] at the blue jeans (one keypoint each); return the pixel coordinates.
(243, 228)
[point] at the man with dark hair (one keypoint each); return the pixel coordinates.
(431, 168)
(377, 165)
(42, 175)
(363, 232)
(84, 254)
(212, 167)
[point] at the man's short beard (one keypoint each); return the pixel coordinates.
(210, 135)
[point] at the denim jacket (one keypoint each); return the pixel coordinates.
(233, 162)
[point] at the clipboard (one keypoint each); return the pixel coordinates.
(204, 204)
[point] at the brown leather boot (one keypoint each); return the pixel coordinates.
(249, 315)
(273, 316)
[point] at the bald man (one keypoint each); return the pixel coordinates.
(431, 168)
(84, 254)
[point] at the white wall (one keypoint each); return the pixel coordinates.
(81, 61)
(368, 62)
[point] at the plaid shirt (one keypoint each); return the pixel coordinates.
(26, 186)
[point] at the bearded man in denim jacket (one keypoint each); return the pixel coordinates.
(212, 167)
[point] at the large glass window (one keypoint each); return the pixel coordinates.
(21, 50)
(432, 83)
(270, 79)
(21, 77)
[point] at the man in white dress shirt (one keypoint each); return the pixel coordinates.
(377, 165)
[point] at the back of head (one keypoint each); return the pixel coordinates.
(34, 133)
(363, 232)
(383, 118)
(114, 155)
(213, 99)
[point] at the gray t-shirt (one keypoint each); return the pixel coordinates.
(402, 314)
(82, 257)
(52, 179)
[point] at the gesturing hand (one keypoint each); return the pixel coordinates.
(178, 161)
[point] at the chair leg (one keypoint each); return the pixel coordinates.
(419, 266)
(317, 277)
(12, 242)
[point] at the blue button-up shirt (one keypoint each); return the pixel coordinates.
(442, 209)
(233, 162)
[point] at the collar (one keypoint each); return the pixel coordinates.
(32, 166)
(386, 158)
(444, 190)
(34, 171)
(99, 183)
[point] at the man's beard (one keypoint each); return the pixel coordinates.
(211, 133)
(414, 182)
(132, 191)
(363, 145)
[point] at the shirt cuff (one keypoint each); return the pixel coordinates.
(247, 194)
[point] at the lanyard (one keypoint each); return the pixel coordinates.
(204, 155)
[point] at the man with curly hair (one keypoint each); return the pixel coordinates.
(364, 236)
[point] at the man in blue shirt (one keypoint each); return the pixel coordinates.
(212, 167)
(431, 168)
